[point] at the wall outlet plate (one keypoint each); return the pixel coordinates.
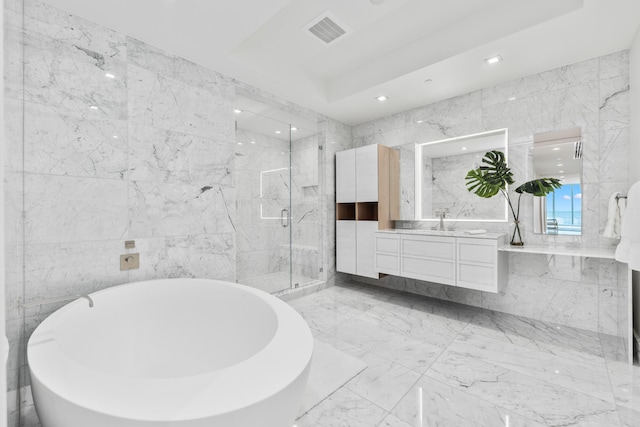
(407, 225)
(129, 262)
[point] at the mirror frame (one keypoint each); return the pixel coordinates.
(418, 174)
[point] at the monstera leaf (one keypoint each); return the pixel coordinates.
(494, 176)
(539, 187)
(488, 180)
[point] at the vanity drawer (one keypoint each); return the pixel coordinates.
(431, 247)
(477, 251)
(387, 243)
(478, 277)
(387, 253)
(431, 270)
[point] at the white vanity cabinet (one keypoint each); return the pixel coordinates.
(454, 259)
(367, 198)
(479, 264)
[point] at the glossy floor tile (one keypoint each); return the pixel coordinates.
(434, 363)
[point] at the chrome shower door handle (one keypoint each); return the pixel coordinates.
(284, 217)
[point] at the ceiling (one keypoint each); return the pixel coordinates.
(414, 51)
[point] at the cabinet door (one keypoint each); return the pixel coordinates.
(367, 173)
(365, 248)
(346, 247)
(346, 176)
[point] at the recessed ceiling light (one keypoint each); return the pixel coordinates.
(560, 171)
(556, 149)
(513, 98)
(115, 137)
(110, 76)
(493, 60)
(237, 111)
(253, 142)
(382, 98)
(333, 142)
(464, 148)
(562, 177)
(419, 121)
(93, 107)
(559, 164)
(239, 143)
(293, 129)
(278, 132)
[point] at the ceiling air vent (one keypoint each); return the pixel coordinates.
(577, 150)
(325, 28)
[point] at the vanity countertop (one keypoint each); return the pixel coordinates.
(607, 252)
(445, 233)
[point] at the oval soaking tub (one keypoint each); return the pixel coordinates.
(177, 352)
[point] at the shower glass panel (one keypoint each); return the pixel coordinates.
(277, 199)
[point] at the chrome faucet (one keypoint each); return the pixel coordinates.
(441, 214)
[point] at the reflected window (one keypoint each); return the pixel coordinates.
(564, 210)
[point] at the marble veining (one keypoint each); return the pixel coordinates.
(497, 370)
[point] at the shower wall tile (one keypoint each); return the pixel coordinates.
(166, 103)
(158, 155)
(82, 145)
(70, 209)
(62, 26)
(73, 78)
(210, 256)
(151, 58)
(180, 209)
(60, 269)
(13, 55)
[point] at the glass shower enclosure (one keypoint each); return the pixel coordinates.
(278, 221)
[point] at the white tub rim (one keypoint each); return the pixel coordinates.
(251, 381)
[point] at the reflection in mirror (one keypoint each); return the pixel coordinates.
(441, 167)
(558, 154)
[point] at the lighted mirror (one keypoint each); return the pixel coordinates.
(441, 167)
(558, 154)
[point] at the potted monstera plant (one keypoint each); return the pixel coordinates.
(493, 177)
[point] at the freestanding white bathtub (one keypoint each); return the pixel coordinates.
(178, 352)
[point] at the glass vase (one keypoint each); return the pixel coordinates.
(516, 234)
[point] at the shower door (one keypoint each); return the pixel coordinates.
(275, 201)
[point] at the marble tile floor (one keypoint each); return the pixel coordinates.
(435, 363)
(275, 282)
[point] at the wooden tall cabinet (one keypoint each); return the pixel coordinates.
(367, 199)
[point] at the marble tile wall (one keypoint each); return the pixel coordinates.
(147, 154)
(592, 95)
